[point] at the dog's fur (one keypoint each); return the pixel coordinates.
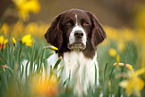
(76, 34)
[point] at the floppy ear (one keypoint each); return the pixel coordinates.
(98, 34)
(54, 34)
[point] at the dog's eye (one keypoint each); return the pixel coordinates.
(69, 23)
(85, 24)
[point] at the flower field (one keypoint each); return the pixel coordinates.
(120, 57)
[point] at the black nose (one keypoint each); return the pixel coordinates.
(78, 34)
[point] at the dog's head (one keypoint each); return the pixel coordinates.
(75, 29)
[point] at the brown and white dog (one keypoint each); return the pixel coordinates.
(76, 33)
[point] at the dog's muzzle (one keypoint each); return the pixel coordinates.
(78, 42)
(77, 45)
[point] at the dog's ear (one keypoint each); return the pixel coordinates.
(54, 34)
(98, 34)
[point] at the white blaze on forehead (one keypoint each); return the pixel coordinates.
(77, 27)
(76, 19)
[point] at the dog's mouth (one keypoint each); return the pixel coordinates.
(77, 45)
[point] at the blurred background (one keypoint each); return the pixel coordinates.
(116, 13)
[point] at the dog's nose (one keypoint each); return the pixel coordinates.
(78, 34)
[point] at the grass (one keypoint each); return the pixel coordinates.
(13, 85)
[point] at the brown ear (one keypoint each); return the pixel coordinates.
(54, 34)
(98, 33)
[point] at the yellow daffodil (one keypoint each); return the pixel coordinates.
(117, 61)
(112, 33)
(27, 40)
(51, 47)
(32, 28)
(134, 84)
(18, 27)
(4, 29)
(14, 40)
(128, 66)
(47, 87)
(117, 58)
(26, 6)
(3, 42)
(112, 52)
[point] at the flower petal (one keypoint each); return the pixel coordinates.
(128, 66)
(140, 71)
(51, 47)
(123, 83)
(140, 83)
(5, 41)
(1, 39)
(117, 58)
(112, 52)
(14, 40)
(27, 40)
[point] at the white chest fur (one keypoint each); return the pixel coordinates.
(80, 68)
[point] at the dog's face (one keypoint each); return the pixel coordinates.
(75, 29)
(76, 26)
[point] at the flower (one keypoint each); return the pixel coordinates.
(112, 52)
(14, 40)
(4, 29)
(27, 40)
(33, 29)
(112, 33)
(117, 61)
(51, 47)
(26, 6)
(3, 42)
(117, 58)
(134, 84)
(44, 86)
(18, 28)
(128, 66)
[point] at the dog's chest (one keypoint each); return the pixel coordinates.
(76, 62)
(80, 69)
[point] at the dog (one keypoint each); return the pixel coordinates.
(76, 33)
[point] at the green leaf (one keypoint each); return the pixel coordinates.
(5, 78)
(3, 57)
(57, 63)
(68, 79)
(105, 70)
(26, 70)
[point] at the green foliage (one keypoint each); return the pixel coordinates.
(13, 84)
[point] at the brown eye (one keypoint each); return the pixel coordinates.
(68, 23)
(85, 24)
